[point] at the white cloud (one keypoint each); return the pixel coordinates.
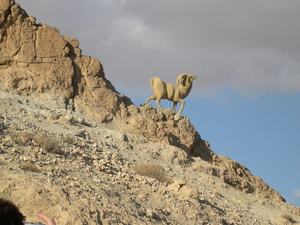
(296, 193)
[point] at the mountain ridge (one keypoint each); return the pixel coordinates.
(45, 77)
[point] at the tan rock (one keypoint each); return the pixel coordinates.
(239, 177)
(49, 43)
(189, 192)
(35, 60)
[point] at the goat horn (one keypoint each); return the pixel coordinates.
(179, 78)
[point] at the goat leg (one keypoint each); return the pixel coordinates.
(158, 103)
(174, 107)
(153, 97)
(181, 108)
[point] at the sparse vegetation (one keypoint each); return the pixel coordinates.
(30, 167)
(69, 139)
(22, 138)
(48, 143)
(288, 218)
(17, 139)
(151, 170)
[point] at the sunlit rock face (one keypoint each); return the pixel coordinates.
(36, 61)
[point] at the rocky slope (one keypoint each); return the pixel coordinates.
(77, 170)
(73, 147)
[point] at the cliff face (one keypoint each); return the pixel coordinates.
(36, 61)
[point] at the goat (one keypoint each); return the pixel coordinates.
(171, 92)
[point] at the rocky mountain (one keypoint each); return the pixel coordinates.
(72, 147)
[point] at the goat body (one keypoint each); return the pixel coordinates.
(171, 92)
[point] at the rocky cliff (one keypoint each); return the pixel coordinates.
(37, 62)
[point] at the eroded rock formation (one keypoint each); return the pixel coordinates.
(35, 60)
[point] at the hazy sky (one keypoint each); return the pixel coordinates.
(245, 55)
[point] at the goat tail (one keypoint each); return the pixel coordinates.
(158, 86)
(156, 81)
(152, 80)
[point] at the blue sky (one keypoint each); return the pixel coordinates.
(245, 54)
(260, 133)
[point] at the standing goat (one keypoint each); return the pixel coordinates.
(175, 94)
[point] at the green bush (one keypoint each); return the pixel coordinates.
(69, 139)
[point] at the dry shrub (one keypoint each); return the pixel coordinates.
(69, 139)
(17, 139)
(288, 218)
(151, 170)
(30, 167)
(48, 143)
(22, 138)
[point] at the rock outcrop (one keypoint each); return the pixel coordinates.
(36, 61)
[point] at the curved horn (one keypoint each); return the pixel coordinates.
(179, 78)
